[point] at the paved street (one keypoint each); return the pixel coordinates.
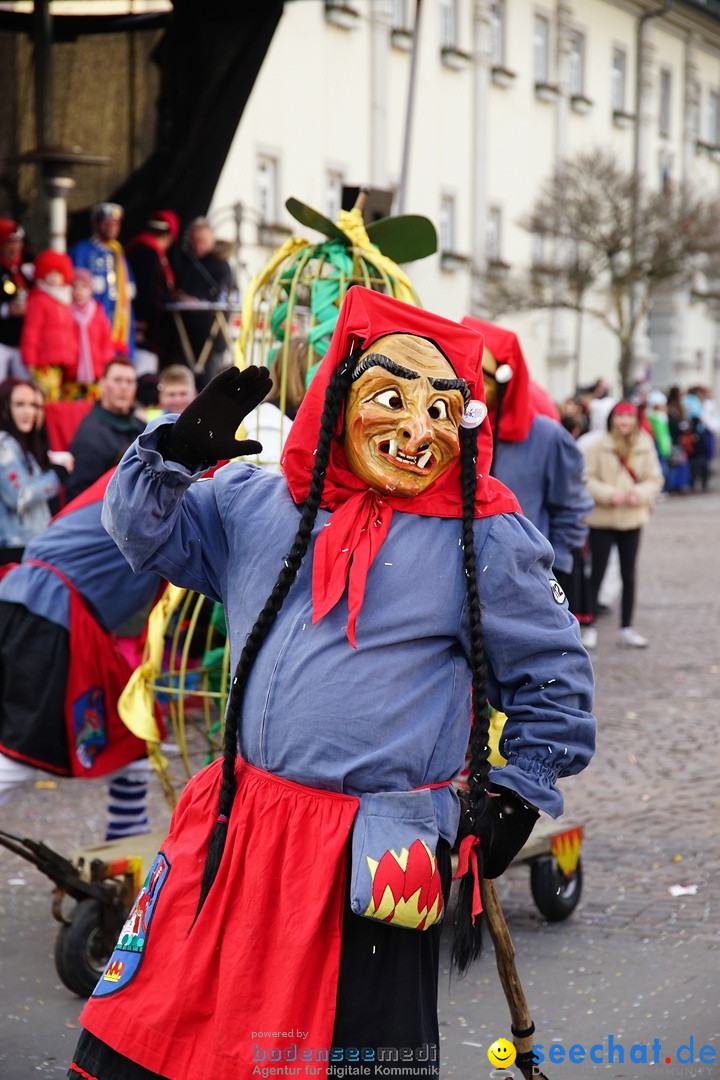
(634, 972)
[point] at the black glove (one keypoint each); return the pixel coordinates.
(504, 825)
(205, 431)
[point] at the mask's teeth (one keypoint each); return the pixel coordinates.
(422, 462)
(393, 448)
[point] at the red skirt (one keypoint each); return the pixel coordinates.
(255, 980)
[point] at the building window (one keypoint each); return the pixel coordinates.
(399, 14)
(448, 24)
(333, 194)
(446, 224)
(665, 100)
(541, 49)
(714, 118)
(577, 64)
(266, 189)
(493, 234)
(497, 33)
(537, 250)
(343, 14)
(619, 78)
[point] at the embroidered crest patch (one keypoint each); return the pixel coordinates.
(128, 953)
(90, 725)
(557, 591)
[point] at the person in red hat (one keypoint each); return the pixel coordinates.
(48, 343)
(376, 594)
(536, 457)
(15, 285)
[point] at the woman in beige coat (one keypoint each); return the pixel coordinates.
(624, 478)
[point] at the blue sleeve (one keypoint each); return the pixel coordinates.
(539, 674)
(161, 520)
(568, 500)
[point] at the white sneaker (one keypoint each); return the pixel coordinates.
(588, 636)
(628, 636)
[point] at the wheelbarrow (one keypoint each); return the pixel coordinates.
(553, 854)
(103, 881)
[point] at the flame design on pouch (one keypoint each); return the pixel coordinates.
(566, 849)
(406, 888)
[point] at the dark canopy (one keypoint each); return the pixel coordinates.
(159, 94)
(209, 58)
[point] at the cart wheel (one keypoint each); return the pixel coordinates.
(555, 894)
(81, 952)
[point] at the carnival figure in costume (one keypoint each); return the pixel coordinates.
(297, 901)
(535, 456)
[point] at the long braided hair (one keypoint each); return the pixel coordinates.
(467, 938)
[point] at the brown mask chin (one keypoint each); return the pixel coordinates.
(401, 430)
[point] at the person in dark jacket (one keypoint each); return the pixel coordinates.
(15, 283)
(108, 429)
(201, 273)
(147, 255)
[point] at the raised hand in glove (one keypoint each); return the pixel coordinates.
(503, 826)
(205, 431)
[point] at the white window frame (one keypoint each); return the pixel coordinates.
(399, 16)
(493, 234)
(619, 78)
(577, 63)
(448, 14)
(713, 118)
(447, 219)
(541, 48)
(334, 181)
(498, 27)
(267, 187)
(665, 101)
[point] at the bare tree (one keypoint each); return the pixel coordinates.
(614, 245)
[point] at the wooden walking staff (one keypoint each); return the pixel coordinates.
(521, 1023)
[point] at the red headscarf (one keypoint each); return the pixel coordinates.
(361, 517)
(517, 412)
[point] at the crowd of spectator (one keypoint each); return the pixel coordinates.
(63, 317)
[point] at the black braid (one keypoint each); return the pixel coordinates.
(334, 399)
(467, 942)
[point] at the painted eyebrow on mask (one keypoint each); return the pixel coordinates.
(379, 360)
(375, 359)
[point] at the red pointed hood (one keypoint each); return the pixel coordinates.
(517, 412)
(365, 316)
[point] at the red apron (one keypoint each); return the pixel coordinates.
(258, 972)
(98, 741)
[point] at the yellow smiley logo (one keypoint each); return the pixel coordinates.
(502, 1053)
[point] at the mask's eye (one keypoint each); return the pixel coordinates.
(389, 398)
(438, 410)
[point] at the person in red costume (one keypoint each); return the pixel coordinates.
(536, 457)
(48, 343)
(376, 594)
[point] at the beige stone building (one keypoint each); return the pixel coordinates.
(466, 126)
